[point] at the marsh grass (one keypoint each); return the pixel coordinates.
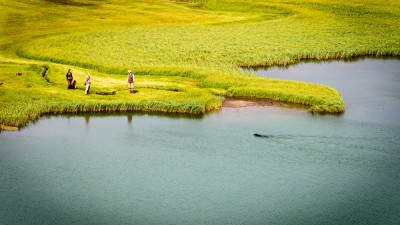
(26, 97)
(184, 53)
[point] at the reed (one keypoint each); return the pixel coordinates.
(26, 97)
(184, 53)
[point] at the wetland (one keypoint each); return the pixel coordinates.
(137, 168)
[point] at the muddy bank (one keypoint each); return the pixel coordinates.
(245, 102)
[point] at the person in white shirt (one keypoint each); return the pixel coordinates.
(87, 83)
(131, 81)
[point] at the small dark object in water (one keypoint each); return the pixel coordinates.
(19, 74)
(1, 83)
(261, 135)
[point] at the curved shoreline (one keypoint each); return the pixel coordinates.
(183, 64)
(173, 90)
(226, 103)
(229, 102)
(247, 102)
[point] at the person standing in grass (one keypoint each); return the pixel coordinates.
(87, 83)
(131, 81)
(69, 78)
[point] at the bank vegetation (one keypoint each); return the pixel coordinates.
(186, 55)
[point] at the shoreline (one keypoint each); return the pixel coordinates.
(8, 128)
(248, 102)
(227, 102)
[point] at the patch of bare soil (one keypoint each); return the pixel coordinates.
(238, 103)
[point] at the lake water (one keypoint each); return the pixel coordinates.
(151, 169)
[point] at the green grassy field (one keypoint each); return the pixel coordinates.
(185, 54)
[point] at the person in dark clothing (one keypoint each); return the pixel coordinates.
(69, 78)
(73, 85)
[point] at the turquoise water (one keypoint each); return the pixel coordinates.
(152, 169)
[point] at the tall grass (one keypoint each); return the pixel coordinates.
(217, 47)
(280, 41)
(184, 52)
(26, 97)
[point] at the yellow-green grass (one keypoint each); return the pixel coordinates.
(316, 34)
(26, 97)
(183, 53)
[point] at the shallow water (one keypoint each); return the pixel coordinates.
(150, 169)
(370, 87)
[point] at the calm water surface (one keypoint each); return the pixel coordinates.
(149, 169)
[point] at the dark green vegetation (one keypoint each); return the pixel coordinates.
(184, 53)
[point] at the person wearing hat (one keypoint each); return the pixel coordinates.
(131, 80)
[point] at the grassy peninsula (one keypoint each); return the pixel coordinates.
(185, 54)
